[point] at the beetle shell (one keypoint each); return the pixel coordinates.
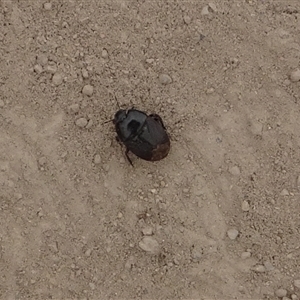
(142, 134)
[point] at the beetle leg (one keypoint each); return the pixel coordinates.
(158, 119)
(127, 156)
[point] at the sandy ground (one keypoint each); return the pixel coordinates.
(218, 218)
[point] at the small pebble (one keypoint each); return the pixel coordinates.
(130, 262)
(197, 254)
(88, 252)
(212, 6)
(284, 192)
(235, 171)
(57, 79)
(205, 10)
(104, 53)
(245, 206)
(259, 269)
(97, 159)
(52, 69)
(42, 59)
(85, 73)
(147, 230)
(187, 20)
(2, 103)
(89, 124)
(297, 283)
(149, 60)
(42, 161)
(268, 266)
(245, 255)
(150, 245)
(210, 91)
(38, 69)
(165, 79)
(232, 234)
(294, 297)
(47, 6)
(295, 75)
(92, 285)
(81, 122)
(88, 90)
(74, 108)
(281, 293)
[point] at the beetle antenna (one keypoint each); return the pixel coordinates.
(107, 121)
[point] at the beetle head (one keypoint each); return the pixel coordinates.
(120, 116)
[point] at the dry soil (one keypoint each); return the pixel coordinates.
(218, 218)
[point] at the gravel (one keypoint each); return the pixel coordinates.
(47, 6)
(245, 206)
(281, 293)
(297, 283)
(42, 59)
(165, 79)
(147, 231)
(97, 159)
(57, 79)
(74, 108)
(150, 245)
(104, 53)
(232, 233)
(295, 75)
(88, 90)
(259, 269)
(235, 171)
(245, 255)
(38, 69)
(81, 122)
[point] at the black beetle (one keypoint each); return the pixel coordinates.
(142, 134)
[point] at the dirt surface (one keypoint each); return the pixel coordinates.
(218, 218)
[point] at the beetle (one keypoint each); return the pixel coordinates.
(143, 135)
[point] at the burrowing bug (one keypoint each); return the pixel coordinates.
(142, 134)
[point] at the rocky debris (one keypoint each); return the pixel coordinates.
(259, 269)
(187, 19)
(297, 283)
(281, 293)
(150, 245)
(52, 69)
(147, 230)
(81, 122)
(165, 79)
(295, 75)
(97, 159)
(47, 6)
(57, 79)
(88, 90)
(74, 108)
(42, 59)
(235, 171)
(232, 233)
(245, 255)
(104, 53)
(38, 69)
(245, 206)
(85, 73)
(284, 192)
